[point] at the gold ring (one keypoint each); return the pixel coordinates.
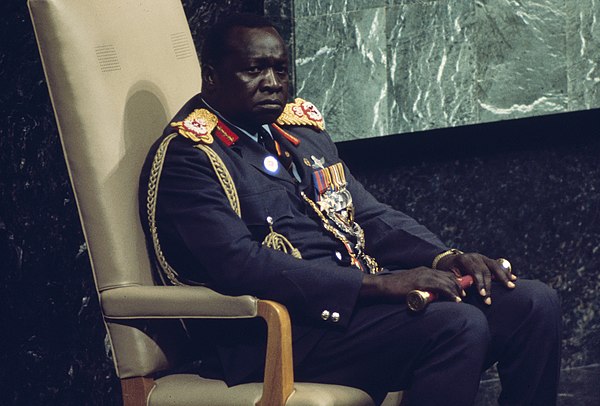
(504, 263)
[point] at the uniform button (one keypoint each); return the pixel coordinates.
(335, 317)
(325, 314)
(341, 258)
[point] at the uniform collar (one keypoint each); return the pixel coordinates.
(234, 127)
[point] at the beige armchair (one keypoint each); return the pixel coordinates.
(117, 70)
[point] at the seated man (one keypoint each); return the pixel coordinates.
(246, 194)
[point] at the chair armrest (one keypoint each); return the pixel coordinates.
(279, 366)
(175, 302)
(149, 302)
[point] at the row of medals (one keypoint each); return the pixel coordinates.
(337, 206)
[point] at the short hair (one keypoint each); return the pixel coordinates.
(215, 47)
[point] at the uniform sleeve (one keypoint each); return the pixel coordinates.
(192, 203)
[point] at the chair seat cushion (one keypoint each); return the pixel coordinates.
(193, 390)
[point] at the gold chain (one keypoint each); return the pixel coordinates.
(357, 231)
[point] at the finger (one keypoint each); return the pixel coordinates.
(487, 277)
(503, 272)
(474, 265)
(456, 289)
(506, 264)
(447, 286)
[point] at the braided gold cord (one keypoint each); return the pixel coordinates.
(278, 242)
(156, 170)
(274, 240)
(224, 177)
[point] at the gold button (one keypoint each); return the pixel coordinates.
(325, 314)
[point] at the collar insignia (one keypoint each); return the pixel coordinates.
(198, 126)
(303, 113)
(225, 134)
(295, 141)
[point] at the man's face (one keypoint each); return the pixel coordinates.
(250, 86)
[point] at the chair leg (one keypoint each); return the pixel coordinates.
(136, 390)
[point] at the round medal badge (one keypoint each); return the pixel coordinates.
(271, 164)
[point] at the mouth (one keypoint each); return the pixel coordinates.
(271, 103)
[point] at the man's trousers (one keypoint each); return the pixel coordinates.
(438, 354)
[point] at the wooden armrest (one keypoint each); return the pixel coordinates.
(136, 390)
(279, 367)
(278, 382)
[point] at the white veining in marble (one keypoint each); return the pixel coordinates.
(378, 67)
(341, 67)
(521, 59)
(543, 102)
(583, 54)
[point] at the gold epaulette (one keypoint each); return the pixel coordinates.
(198, 126)
(303, 113)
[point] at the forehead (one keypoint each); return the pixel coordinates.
(255, 43)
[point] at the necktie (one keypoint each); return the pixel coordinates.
(275, 148)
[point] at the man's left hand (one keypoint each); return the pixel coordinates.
(481, 268)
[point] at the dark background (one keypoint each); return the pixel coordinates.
(525, 189)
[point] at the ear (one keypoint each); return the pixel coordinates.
(209, 75)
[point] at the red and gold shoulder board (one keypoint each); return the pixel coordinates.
(198, 126)
(303, 113)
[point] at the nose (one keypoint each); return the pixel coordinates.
(271, 81)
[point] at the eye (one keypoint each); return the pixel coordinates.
(281, 69)
(253, 69)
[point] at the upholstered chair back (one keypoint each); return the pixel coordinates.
(117, 70)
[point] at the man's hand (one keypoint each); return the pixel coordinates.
(395, 286)
(481, 268)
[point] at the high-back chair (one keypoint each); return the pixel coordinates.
(117, 71)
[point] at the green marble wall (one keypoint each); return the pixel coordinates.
(383, 67)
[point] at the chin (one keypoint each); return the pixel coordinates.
(267, 117)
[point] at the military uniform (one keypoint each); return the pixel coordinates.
(214, 210)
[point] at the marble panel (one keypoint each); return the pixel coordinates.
(304, 8)
(521, 58)
(583, 53)
(341, 67)
(430, 65)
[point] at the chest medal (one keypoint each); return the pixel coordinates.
(335, 209)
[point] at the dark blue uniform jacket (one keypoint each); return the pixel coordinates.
(206, 241)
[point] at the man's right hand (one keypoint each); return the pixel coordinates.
(394, 286)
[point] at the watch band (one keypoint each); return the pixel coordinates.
(438, 257)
